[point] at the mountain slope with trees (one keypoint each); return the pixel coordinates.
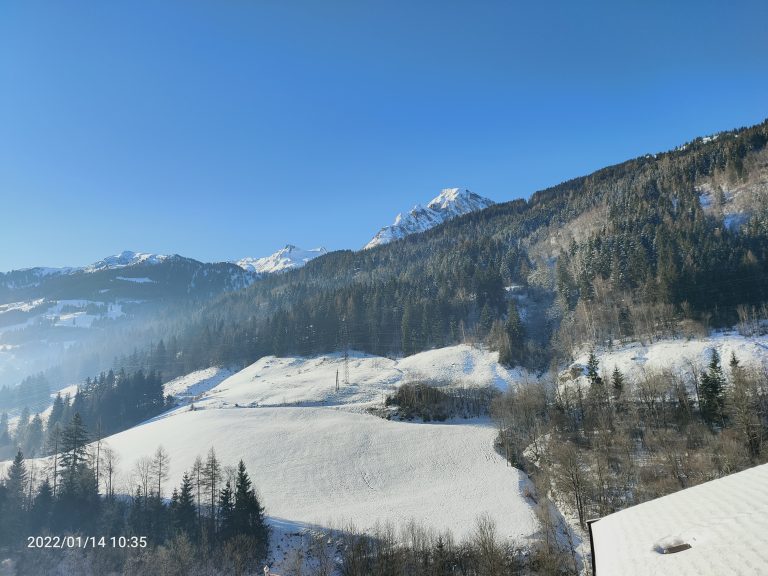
(630, 250)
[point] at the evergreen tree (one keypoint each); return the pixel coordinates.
(617, 385)
(77, 501)
(33, 441)
(226, 512)
(593, 370)
(14, 510)
(74, 445)
(16, 482)
(248, 514)
(185, 516)
(712, 391)
(5, 438)
(20, 434)
(42, 507)
(57, 412)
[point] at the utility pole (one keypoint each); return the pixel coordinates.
(346, 366)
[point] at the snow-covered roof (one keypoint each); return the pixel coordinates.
(724, 522)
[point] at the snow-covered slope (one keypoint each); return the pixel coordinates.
(326, 467)
(273, 381)
(724, 523)
(678, 356)
(196, 383)
(316, 464)
(450, 203)
(284, 259)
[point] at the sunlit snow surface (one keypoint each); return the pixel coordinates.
(273, 381)
(724, 521)
(677, 356)
(319, 460)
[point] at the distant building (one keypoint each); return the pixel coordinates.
(718, 528)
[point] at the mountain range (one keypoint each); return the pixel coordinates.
(44, 311)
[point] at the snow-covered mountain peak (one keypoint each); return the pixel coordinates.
(284, 259)
(458, 199)
(124, 259)
(451, 202)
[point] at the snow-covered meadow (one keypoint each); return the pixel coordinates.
(320, 460)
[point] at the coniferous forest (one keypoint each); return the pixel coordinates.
(643, 258)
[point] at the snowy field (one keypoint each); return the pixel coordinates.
(196, 383)
(325, 467)
(320, 461)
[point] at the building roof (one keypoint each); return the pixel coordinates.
(719, 528)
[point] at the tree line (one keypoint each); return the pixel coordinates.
(108, 403)
(214, 513)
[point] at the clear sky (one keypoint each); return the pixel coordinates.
(224, 128)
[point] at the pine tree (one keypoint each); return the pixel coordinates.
(16, 482)
(14, 510)
(712, 391)
(593, 369)
(57, 412)
(4, 435)
(42, 506)
(33, 442)
(226, 512)
(617, 385)
(248, 514)
(185, 517)
(74, 444)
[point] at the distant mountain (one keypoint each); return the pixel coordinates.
(126, 259)
(132, 275)
(282, 260)
(451, 202)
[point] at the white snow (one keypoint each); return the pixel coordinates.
(273, 381)
(724, 521)
(125, 259)
(195, 383)
(142, 280)
(325, 467)
(317, 465)
(284, 259)
(21, 306)
(676, 355)
(450, 203)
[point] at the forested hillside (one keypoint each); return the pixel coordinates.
(651, 246)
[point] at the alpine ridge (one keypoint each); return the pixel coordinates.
(450, 203)
(284, 259)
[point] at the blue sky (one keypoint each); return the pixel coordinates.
(220, 129)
